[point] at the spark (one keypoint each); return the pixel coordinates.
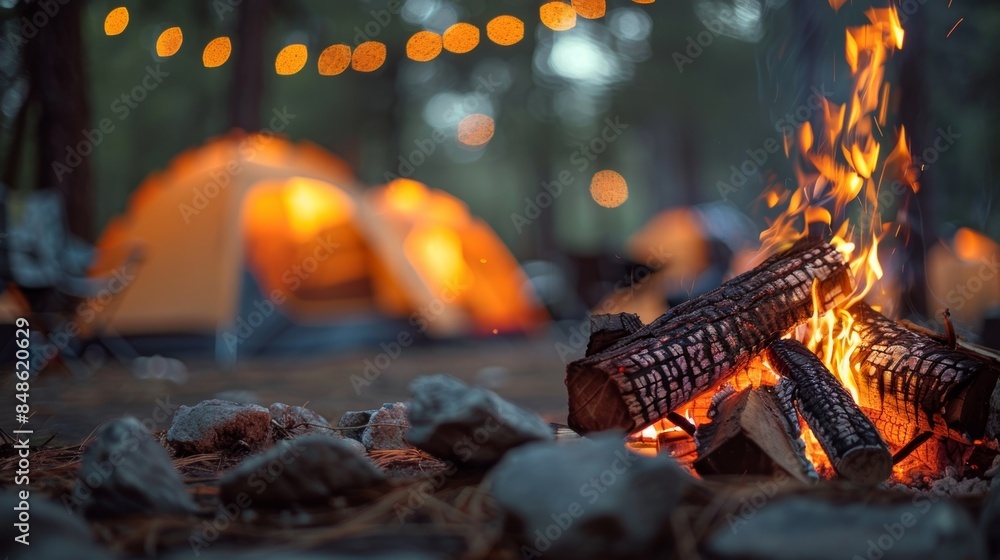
(960, 20)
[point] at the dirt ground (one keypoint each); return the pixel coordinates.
(528, 372)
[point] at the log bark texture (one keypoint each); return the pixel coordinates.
(909, 383)
(850, 440)
(645, 375)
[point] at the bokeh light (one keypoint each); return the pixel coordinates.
(216, 52)
(505, 30)
(461, 38)
(590, 9)
(424, 46)
(169, 42)
(608, 188)
(291, 60)
(475, 130)
(334, 60)
(557, 16)
(116, 21)
(368, 56)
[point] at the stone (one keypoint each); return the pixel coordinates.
(468, 425)
(125, 471)
(297, 420)
(387, 428)
(591, 500)
(801, 528)
(53, 533)
(303, 471)
(219, 426)
(355, 419)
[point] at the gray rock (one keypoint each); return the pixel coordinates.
(355, 444)
(214, 425)
(990, 521)
(297, 420)
(125, 471)
(53, 532)
(468, 425)
(592, 500)
(303, 471)
(800, 528)
(387, 428)
(355, 419)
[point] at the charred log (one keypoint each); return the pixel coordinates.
(850, 440)
(909, 383)
(606, 329)
(687, 350)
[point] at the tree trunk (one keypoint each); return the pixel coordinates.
(248, 77)
(55, 66)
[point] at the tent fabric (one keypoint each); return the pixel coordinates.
(260, 203)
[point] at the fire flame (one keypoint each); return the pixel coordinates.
(840, 159)
(837, 164)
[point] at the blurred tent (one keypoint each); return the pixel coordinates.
(688, 250)
(248, 227)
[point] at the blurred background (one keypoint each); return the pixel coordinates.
(207, 186)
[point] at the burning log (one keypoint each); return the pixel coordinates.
(606, 329)
(687, 350)
(853, 445)
(749, 434)
(909, 383)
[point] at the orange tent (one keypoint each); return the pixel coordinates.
(318, 247)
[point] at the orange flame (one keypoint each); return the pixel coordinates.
(839, 162)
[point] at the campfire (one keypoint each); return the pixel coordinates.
(786, 366)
